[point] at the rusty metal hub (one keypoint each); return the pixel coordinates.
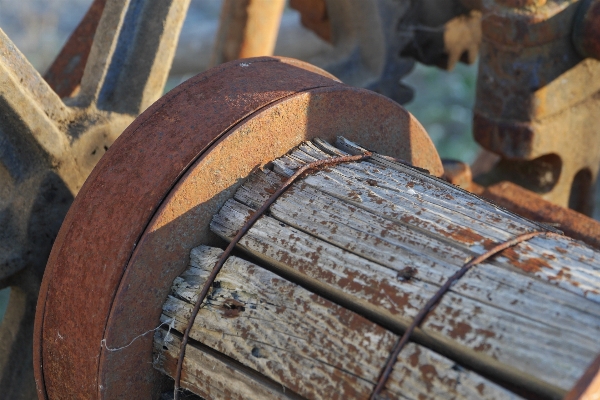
(114, 260)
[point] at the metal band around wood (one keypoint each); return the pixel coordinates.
(219, 264)
(432, 303)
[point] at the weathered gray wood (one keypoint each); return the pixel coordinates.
(534, 308)
(359, 231)
(444, 210)
(357, 249)
(308, 344)
(211, 374)
(511, 338)
(443, 194)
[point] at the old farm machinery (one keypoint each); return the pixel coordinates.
(150, 201)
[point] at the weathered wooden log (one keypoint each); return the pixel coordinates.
(344, 261)
(312, 346)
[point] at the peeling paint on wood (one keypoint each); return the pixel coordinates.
(307, 344)
(383, 237)
(212, 374)
(356, 227)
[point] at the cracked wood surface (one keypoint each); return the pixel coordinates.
(303, 344)
(212, 374)
(393, 236)
(370, 243)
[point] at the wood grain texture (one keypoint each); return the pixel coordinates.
(309, 345)
(211, 374)
(391, 236)
(346, 258)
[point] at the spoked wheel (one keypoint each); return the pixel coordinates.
(149, 201)
(49, 145)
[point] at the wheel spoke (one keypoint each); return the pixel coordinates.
(247, 28)
(27, 103)
(47, 147)
(126, 72)
(65, 73)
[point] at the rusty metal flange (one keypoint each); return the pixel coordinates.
(150, 199)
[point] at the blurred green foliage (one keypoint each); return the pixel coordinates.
(443, 103)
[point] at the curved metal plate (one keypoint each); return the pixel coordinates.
(123, 242)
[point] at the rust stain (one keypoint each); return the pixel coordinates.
(459, 330)
(410, 220)
(232, 308)
(428, 374)
(406, 274)
(483, 347)
(375, 198)
(486, 333)
(561, 250)
(480, 388)
(564, 275)
(413, 359)
(529, 265)
(462, 235)
(354, 196)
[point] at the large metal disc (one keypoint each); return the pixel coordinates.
(151, 197)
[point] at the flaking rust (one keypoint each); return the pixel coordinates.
(407, 273)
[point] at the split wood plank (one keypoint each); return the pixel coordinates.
(311, 346)
(356, 230)
(454, 220)
(212, 375)
(489, 311)
(514, 340)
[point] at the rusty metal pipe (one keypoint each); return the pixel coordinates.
(247, 28)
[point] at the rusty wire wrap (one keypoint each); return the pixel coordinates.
(423, 313)
(432, 303)
(243, 230)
